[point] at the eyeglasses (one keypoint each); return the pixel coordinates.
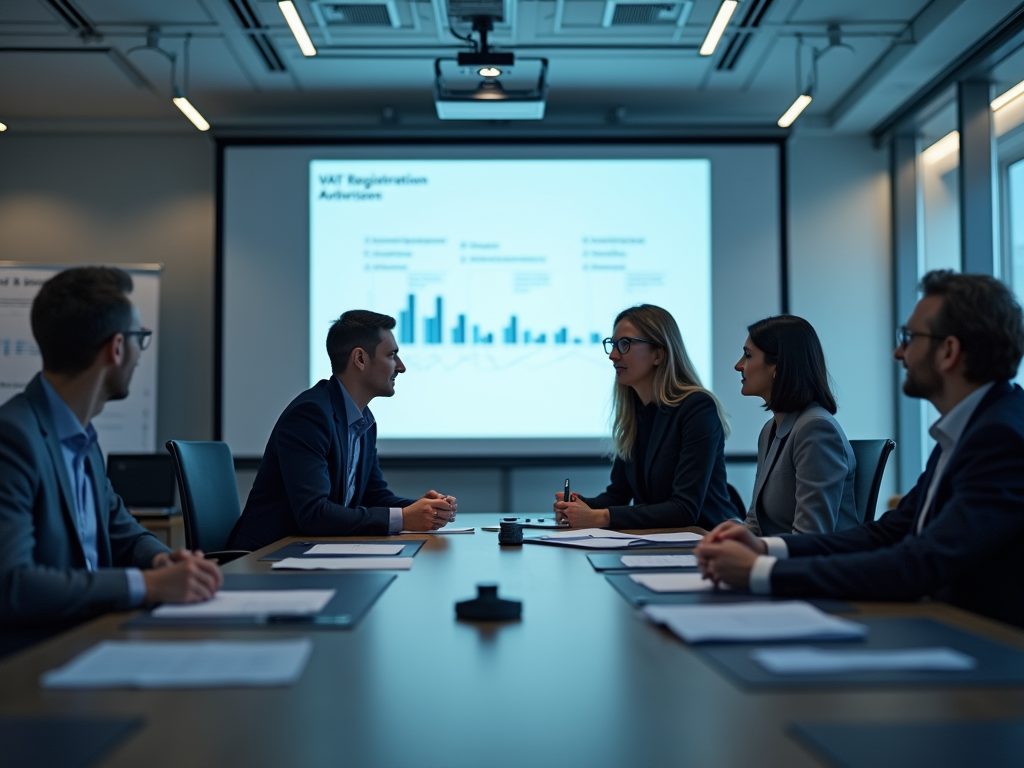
(623, 344)
(145, 336)
(904, 336)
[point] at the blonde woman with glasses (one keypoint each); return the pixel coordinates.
(669, 436)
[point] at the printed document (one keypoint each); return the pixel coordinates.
(251, 602)
(676, 582)
(808, 660)
(753, 622)
(659, 561)
(355, 549)
(343, 564)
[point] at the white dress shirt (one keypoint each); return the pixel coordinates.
(946, 431)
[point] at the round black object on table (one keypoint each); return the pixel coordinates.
(510, 534)
(487, 606)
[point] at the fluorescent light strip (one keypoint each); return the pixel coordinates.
(945, 146)
(718, 27)
(2, 127)
(1001, 101)
(191, 113)
(291, 15)
(794, 111)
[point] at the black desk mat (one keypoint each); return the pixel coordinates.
(603, 562)
(998, 665)
(639, 595)
(356, 592)
(988, 743)
(60, 742)
(298, 549)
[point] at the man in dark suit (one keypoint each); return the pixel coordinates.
(319, 475)
(68, 547)
(958, 534)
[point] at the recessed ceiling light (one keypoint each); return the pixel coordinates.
(718, 27)
(488, 72)
(794, 111)
(291, 15)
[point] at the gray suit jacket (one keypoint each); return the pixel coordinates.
(804, 478)
(43, 575)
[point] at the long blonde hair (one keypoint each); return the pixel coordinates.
(674, 380)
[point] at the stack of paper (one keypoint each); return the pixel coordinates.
(251, 602)
(676, 582)
(658, 561)
(598, 538)
(343, 564)
(355, 549)
(446, 529)
(808, 660)
(753, 622)
(183, 664)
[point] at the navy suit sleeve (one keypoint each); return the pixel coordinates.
(889, 561)
(31, 591)
(701, 430)
(377, 493)
(303, 443)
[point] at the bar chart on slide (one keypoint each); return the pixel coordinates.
(492, 306)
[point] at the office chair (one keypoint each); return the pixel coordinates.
(209, 496)
(871, 458)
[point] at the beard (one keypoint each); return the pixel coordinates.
(922, 381)
(117, 383)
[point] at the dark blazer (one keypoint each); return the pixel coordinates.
(969, 551)
(43, 574)
(300, 485)
(684, 470)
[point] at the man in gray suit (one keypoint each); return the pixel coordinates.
(69, 549)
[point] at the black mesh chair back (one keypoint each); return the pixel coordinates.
(209, 495)
(872, 456)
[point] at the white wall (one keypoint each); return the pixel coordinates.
(70, 199)
(840, 274)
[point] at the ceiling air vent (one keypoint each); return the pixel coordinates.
(621, 13)
(468, 9)
(358, 13)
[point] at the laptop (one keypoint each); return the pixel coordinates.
(145, 482)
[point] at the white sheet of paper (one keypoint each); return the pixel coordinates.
(682, 537)
(446, 529)
(589, 543)
(808, 660)
(355, 549)
(343, 564)
(252, 602)
(659, 561)
(753, 622)
(183, 664)
(675, 582)
(587, 533)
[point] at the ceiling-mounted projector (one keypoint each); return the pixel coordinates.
(487, 98)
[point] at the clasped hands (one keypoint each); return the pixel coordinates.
(429, 512)
(727, 554)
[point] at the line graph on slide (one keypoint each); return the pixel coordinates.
(516, 301)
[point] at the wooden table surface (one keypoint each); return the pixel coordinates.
(579, 681)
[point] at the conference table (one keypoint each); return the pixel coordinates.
(581, 680)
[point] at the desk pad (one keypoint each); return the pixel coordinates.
(298, 549)
(614, 563)
(998, 665)
(60, 742)
(993, 744)
(355, 593)
(640, 595)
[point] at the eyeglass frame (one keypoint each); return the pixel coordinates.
(616, 344)
(145, 336)
(905, 336)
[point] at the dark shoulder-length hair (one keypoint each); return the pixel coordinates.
(791, 345)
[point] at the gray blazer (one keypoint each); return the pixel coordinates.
(43, 574)
(804, 480)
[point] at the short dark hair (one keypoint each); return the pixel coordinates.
(801, 378)
(985, 316)
(357, 328)
(76, 312)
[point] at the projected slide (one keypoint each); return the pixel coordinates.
(504, 276)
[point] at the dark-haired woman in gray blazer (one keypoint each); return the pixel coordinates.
(805, 465)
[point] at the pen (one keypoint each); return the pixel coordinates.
(566, 496)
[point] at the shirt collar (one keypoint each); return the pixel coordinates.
(353, 416)
(69, 428)
(947, 430)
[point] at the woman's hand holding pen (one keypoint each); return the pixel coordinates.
(578, 514)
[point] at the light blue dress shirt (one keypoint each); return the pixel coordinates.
(75, 444)
(359, 423)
